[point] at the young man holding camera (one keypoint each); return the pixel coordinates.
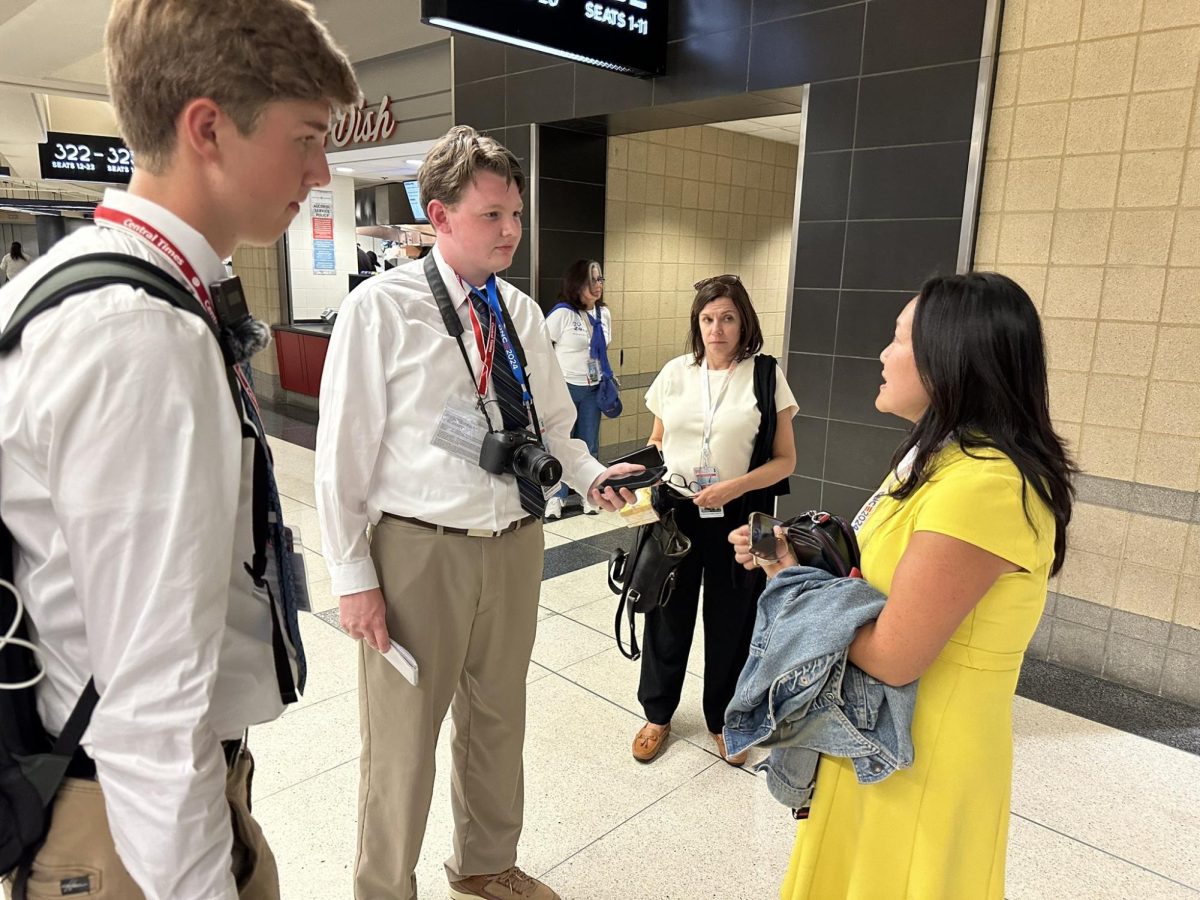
(445, 445)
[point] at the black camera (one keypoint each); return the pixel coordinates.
(518, 452)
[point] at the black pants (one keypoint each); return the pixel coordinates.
(729, 608)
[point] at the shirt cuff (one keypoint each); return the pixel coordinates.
(352, 577)
(587, 475)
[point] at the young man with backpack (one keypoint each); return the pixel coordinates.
(134, 474)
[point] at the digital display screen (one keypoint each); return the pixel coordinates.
(85, 157)
(413, 190)
(627, 36)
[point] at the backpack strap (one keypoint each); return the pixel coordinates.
(97, 270)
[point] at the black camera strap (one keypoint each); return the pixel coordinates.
(455, 329)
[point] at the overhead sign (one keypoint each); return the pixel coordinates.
(360, 125)
(627, 36)
(85, 157)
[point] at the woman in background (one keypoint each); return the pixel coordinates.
(573, 323)
(14, 261)
(708, 417)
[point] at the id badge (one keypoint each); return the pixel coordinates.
(593, 370)
(704, 476)
(460, 431)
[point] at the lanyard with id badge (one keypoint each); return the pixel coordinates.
(706, 473)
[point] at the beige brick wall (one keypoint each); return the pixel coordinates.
(1091, 200)
(258, 267)
(685, 204)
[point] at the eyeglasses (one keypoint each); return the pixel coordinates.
(676, 480)
(599, 280)
(717, 279)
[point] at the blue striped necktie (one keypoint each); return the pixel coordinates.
(512, 406)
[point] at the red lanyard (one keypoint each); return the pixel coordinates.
(167, 248)
(487, 351)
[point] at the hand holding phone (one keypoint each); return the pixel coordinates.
(647, 477)
(764, 543)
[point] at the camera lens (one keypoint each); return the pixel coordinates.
(536, 464)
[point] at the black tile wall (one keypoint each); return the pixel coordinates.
(899, 255)
(770, 10)
(518, 59)
(922, 182)
(573, 155)
(817, 47)
(543, 95)
(819, 248)
(892, 86)
(844, 501)
(832, 108)
(814, 321)
(825, 190)
(855, 386)
(598, 92)
(480, 104)
(921, 107)
(809, 432)
(804, 494)
(571, 205)
(689, 18)
(808, 376)
(475, 59)
(858, 455)
(866, 321)
(899, 32)
(704, 66)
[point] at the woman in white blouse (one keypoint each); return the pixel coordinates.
(572, 323)
(14, 261)
(707, 424)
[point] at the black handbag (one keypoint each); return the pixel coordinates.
(646, 576)
(824, 541)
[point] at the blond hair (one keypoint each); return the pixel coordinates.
(241, 54)
(451, 165)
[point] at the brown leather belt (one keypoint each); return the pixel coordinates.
(469, 532)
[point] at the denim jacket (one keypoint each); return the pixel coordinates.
(800, 695)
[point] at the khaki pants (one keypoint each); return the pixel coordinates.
(466, 608)
(80, 847)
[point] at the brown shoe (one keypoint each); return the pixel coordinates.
(650, 741)
(739, 760)
(511, 884)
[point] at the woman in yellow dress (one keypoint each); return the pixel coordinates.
(962, 538)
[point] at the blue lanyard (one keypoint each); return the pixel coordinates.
(493, 302)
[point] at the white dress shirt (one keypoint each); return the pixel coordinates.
(572, 337)
(127, 487)
(389, 373)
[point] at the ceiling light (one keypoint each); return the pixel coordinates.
(413, 162)
(344, 170)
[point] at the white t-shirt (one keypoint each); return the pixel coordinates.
(11, 266)
(676, 398)
(571, 333)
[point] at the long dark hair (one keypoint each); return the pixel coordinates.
(575, 279)
(15, 250)
(977, 342)
(750, 341)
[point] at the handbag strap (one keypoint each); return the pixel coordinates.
(634, 652)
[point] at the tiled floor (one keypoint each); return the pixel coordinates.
(1097, 812)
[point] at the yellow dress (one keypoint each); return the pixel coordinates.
(939, 830)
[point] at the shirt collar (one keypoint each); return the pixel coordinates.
(457, 288)
(187, 239)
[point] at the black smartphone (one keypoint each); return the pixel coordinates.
(648, 477)
(648, 456)
(763, 542)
